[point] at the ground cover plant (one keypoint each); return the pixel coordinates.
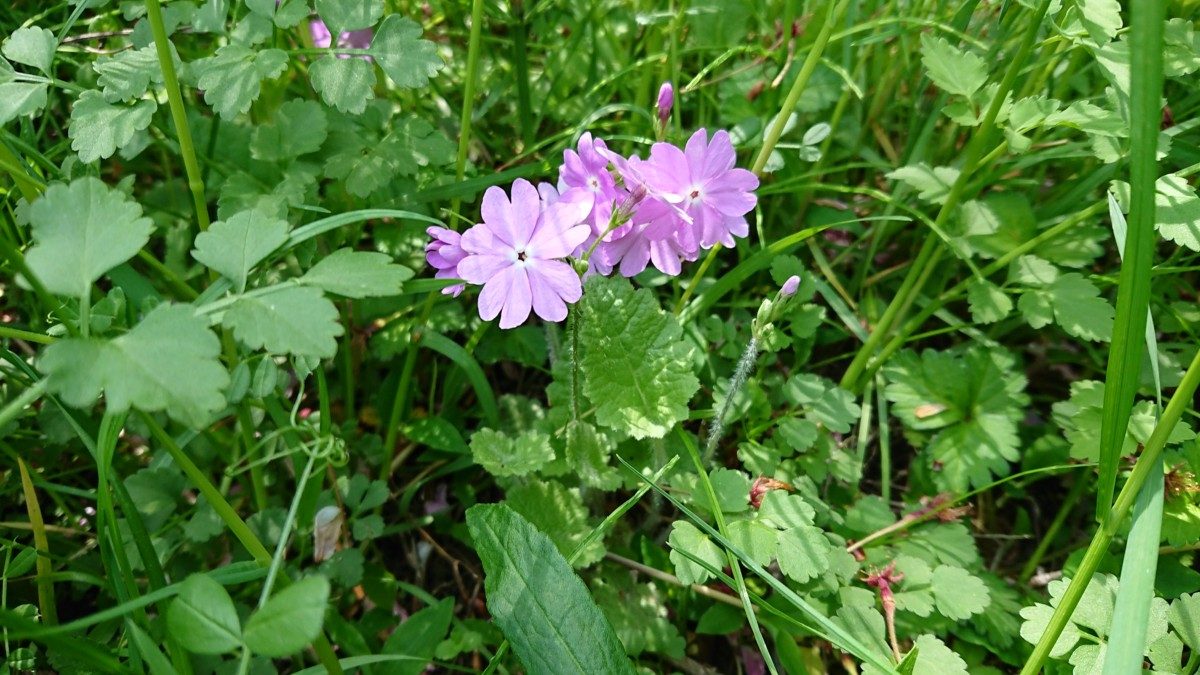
(600, 337)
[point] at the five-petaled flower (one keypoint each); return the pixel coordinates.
(515, 254)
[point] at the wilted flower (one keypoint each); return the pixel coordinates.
(515, 254)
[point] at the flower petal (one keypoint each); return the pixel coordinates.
(498, 218)
(493, 296)
(526, 207)
(557, 277)
(519, 299)
(717, 158)
(546, 301)
(482, 268)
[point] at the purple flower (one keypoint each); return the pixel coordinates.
(586, 168)
(444, 253)
(790, 286)
(631, 252)
(701, 181)
(354, 39)
(515, 253)
(666, 98)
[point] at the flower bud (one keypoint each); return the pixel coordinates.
(666, 98)
(790, 286)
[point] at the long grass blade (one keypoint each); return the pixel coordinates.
(45, 587)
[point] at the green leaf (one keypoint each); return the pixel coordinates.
(21, 98)
(687, 537)
(544, 610)
(169, 362)
(935, 658)
(81, 231)
(1101, 18)
(398, 48)
(346, 15)
(802, 552)
(98, 128)
(951, 69)
(932, 183)
(366, 166)
(639, 615)
(357, 274)
(1177, 211)
(284, 14)
(970, 402)
(754, 539)
(1079, 309)
(957, 593)
(289, 320)
(232, 247)
(559, 512)
(345, 84)
(732, 488)
(1185, 618)
(988, 303)
(418, 637)
(503, 455)
(231, 78)
(290, 620)
(635, 364)
(202, 618)
(31, 46)
(298, 128)
(127, 75)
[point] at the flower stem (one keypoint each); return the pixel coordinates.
(468, 106)
(162, 45)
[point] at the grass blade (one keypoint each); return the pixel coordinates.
(1127, 637)
(1133, 286)
(45, 587)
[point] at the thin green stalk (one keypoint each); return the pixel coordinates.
(285, 535)
(775, 131)
(521, 68)
(1133, 286)
(1078, 487)
(885, 442)
(28, 336)
(403, 385)
(45, 586)
(734, 563)
(29, 186)
(465, 121)
(20, 403)
(931, 250)
(162, 46)
(1146, 466)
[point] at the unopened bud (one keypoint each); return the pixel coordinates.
(790, 286)
(666, 99)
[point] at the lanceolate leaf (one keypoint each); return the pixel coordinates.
(544, 610)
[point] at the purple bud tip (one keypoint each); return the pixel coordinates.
(666, 98)
(790, 286)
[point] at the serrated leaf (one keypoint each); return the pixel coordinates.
(559, 512)
(935, 658)
(298, 128)
(345, 84)
(290, 620)
(988, 303)
(754, 539)
(932, 183)
(232, 247)
(635, 364)
(957, 593)
(81, 231)
(365, 167)
(31, 46)
(544, 610)
(98, 128)
(126, 75)
(1079, 309)
(503, 455)
(1185, 618)
(952, 69)
(290, 320)
(347, 15)
(980, 393)
(802, 552)
(283, 14)
(357, 274)
(21, 98)
(202, 617)
(732, 489)
(687, 537)
(1101, 18)
(169, 362)
(1177, 211)
(232, 78)
(407, 60)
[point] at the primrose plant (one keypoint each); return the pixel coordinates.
(608, 213)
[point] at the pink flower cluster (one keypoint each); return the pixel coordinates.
(612, 212)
